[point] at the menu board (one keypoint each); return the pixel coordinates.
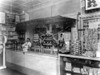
(36, 41)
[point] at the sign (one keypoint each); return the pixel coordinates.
(93, 25)
(74, 34)
(36, 37)
(92, 4)
(2, 17)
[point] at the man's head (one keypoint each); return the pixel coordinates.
(28, 39)
(61, 35)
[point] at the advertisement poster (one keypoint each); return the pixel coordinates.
(92, 4)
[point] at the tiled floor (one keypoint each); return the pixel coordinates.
(8, 71)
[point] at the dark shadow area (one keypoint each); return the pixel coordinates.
(26, 71)
(8, 71)
(1, 59)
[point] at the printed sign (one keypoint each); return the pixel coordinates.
(2, 17)
(74, 34)
(92, 4)
(93, 25)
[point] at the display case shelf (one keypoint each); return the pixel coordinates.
(78, 65)
(73, 73)
(80, 57)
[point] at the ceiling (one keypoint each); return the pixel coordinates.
(22, 5)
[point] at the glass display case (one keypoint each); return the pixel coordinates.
(78, 65)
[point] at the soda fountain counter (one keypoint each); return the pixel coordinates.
(32, 63)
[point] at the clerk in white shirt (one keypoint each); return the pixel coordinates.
(26, 46)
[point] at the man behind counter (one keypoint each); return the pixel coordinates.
(26, 46)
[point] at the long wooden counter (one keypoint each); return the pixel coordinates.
(32, 63)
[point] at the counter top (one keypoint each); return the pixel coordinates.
(81, 57)
(34, 53)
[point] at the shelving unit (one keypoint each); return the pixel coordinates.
(47, 43)
(10, 28)
(78, 65)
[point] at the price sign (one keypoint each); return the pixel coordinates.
(2, 17)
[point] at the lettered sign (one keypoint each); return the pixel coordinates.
(92, 4)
